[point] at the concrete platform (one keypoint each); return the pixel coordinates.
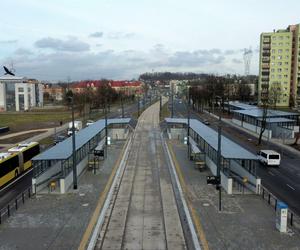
(245, 222)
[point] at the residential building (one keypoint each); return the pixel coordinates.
(19, 93)
(279, 68)
(54, 92)
(126, 87)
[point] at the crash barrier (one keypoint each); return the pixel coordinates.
(293, 218)
(14, 204)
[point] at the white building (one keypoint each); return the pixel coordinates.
(19, 93)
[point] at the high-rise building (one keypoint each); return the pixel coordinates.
(279, 67)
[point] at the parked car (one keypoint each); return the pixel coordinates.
(59, 139)
(206, 122)
(89, 122)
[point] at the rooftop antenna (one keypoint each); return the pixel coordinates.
(247, 60)
(12, 68)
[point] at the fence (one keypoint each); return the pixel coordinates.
(13, 204)
(293, 218)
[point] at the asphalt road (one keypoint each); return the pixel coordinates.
(283, 182)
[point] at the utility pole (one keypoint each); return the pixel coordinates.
(74, 147)
(218, 186)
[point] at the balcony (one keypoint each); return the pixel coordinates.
(265, 65)
(267, 59)
(267, 54)
(266, 46)
(265, 78)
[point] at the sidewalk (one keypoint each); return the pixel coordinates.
(245, 222)
(50, 221)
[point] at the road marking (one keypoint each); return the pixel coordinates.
(101, 200)
(21, 176)
(195, 217)
(290, 187)
(271, 173)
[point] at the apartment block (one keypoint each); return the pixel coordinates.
(279, 68)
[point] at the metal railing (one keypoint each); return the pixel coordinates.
(14, 204)
(293, 218)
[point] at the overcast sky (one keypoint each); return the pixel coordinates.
(120, 39)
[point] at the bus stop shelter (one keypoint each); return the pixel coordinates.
(57, 161)
(237, 163)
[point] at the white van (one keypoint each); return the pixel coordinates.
(269, 157)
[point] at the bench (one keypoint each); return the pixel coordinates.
(200, 165)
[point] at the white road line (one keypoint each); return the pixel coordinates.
(271, 173)
(290, 187)
(10, 184)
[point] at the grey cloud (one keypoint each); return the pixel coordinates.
(230, 52)
(112, 64)
(96, 34)
(23, 51)
(215, 51)
(72, 44)
(195, 58)
(121, 35)
(238, 61)
(8, 41)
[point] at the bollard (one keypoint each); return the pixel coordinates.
(8, 210)
(29, 193)
(0, 218)
(292, 215)
(23, 199)
(275, 204)
(269, 199)
(16, 202)
(263, 193)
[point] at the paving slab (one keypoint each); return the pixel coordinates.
(50, 221)
(245, 222)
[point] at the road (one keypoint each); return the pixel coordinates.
(144, 213)
(283, 182)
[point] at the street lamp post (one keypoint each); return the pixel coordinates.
(219, 161)
(188, 127)
(106, 131)
(122, 104)
(73, 147)
(160, 103)
(172, 100)
(138, 106)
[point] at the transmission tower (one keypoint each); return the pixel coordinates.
(247, 60)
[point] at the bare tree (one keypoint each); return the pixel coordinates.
(274, 94)
(265, 107)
